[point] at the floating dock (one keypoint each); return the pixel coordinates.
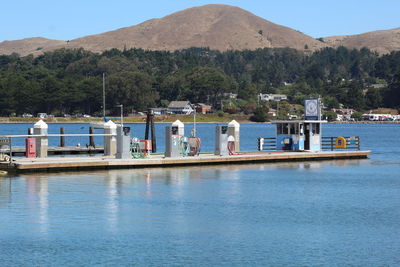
(55, 150)
(53, 164)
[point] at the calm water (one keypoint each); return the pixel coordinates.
(331, 213)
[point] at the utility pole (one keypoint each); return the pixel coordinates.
(194, 122)
(122, 113)
(104, 96)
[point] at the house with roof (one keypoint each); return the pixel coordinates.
(180, 107)
(203, 108)
(271, 97)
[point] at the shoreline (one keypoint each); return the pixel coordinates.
(78, 121)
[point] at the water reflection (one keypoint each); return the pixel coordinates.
(5, 191)
(144, 186)
(37, 200)
(114, 182)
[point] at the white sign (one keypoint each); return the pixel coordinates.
(311, 109)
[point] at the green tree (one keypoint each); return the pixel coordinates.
(260, 113)
(357, 116)
(283, 109)
(205, 84)
(373, 98)
(330, 115)
(132, 89)
(392, 96)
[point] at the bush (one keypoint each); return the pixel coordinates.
(356, 116)
(330, 115)
(220, 113)
(259, 115)
(231, 109)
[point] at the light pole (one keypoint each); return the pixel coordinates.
(194, 122)
(104, 96)
(122, 113)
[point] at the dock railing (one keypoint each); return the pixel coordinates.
(6, 149)
(327, 143)
(266, 143)
(5, 143)
(332, 143)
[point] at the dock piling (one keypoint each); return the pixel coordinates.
(150, 126)
(62, 138)
(91, 137)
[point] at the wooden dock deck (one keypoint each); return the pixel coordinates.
(51, 164)
(57, 150)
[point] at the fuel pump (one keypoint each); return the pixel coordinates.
(184, 146)
(172, 141)
(123, 142)
(221, 140)
(136, 150)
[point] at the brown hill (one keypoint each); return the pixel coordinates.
(219, 27)
(383, 42)
(28, 46)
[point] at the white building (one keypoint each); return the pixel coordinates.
(180, 107)
(380, 117)
(230, 95)
(271, 97)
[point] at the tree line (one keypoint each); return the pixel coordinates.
(70, 81)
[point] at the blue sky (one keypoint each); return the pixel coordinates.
(66, 20)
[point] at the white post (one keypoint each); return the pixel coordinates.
(110, 142)
(42, 143)
(234, 130)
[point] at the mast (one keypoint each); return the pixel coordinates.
(104, 96)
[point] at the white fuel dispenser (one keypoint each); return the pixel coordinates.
(172, 140)
(221, 140)
(123, 142)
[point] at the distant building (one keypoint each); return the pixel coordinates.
(203, 108)
(180, 107)
(272, 112)
(271, 97)
(378, 85)
(345, 113)
(380, 117)
(230, 95)
(160, 111)
(42, 115)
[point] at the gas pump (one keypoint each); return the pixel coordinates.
(221, 141)
(123, 142)
(172, 141)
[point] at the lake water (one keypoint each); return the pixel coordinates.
(329, 213)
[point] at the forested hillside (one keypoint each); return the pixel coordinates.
(70, 81)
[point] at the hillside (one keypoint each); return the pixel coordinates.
(28, 46)
(382, 42)
(218, 27)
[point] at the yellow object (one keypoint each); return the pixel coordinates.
(340, 142)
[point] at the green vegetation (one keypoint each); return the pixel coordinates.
(330, 115)
(70, 81)
(356, 116)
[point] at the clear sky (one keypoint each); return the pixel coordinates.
(69, 19)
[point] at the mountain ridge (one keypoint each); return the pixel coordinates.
(218, 27)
